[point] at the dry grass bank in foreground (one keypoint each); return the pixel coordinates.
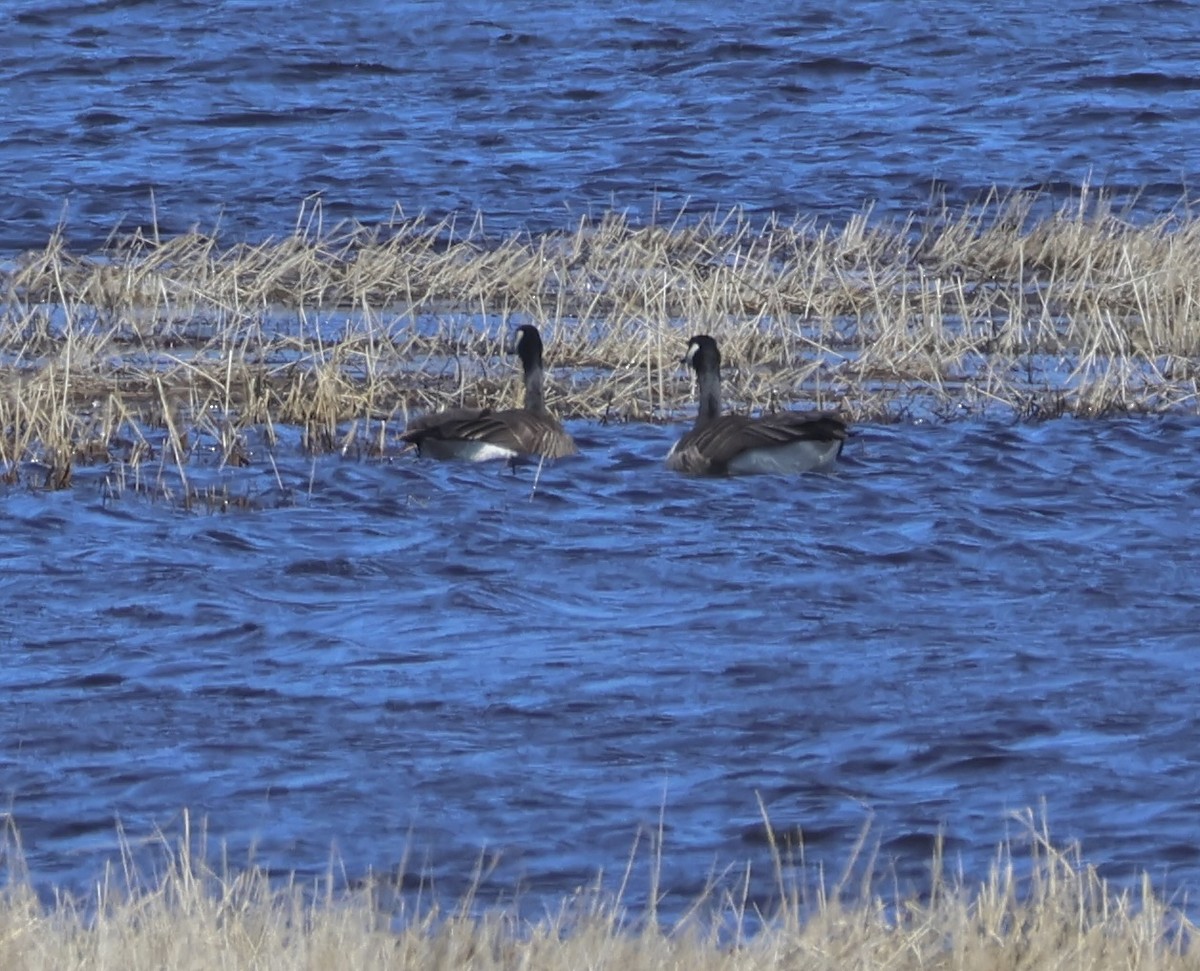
(993, 310)
(1059, 916)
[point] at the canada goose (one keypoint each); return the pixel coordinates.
(786, 441)
(478, 435)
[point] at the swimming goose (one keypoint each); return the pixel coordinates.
(479, 435)
(786, 441)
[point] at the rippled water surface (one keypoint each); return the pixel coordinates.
(413, 658)
(233, 112)
(408, 660)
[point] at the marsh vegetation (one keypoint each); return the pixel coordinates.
(1040, 906)
(170, 351)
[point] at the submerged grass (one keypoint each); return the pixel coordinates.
(1000, 308)
(1041, 909)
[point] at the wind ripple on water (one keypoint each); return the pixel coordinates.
(962, 621)
(193, 114)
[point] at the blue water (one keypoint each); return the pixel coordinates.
(228, 115)
(400, 659)
(397, 660)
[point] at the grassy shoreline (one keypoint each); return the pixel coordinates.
(344, 332)
(1041, 908)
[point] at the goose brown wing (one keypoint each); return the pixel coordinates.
(426, 423)
(802, 426)
(522, 431)
(712, 446)
(537, 433)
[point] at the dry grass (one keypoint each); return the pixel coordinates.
(1058, 914)
(1002, 308)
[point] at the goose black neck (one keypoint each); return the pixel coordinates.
(708, 382)
(535, 397)
(705, 358)
(529, 350)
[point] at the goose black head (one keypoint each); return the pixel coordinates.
(527, 345)
(702, 354)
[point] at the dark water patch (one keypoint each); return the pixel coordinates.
(1148, 81)
(829, 66)
(584, 94)
(70, 830)
(337, 567)
(920, 844)
(99, 117)
(309, 71)
(263, 118)
(139, 613)
(230, 541)
(794, 837)
(89, 681)
(738, 50)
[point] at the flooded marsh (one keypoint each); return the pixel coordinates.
(992, 314)
(597, 713)
(982, 606)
